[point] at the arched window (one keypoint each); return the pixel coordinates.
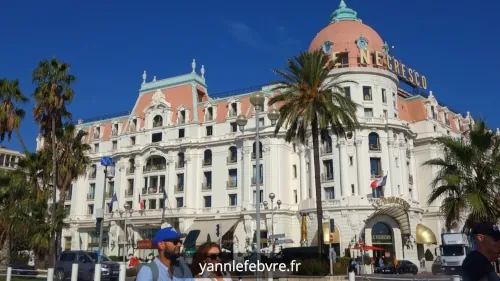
(254, 152)
(157, 121)
(327, 145)
(93, 171)
(207, 158)
(381, 234)
(180, 160)
(374, 141)
(131, 166)
(155, 163)
(233, 155)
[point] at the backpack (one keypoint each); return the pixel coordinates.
(156, 272)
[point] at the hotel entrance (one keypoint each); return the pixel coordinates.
(382, 237)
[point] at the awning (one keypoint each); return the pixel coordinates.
(208, 229)
(398, 213)
(326, 235)
(425, 235)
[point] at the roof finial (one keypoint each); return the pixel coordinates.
(193, 66)
(154, 78)
(343, 13)
(342, 4)
(202, 71)
(144, 76)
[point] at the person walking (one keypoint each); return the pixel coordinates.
(477, 265)
(169, 266)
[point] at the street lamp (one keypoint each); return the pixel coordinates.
(257, 99)
(272, 196)
(128, 208)
(105, 161)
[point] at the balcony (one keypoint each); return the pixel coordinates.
(410, 179)
(232, 184)
(130, 170)
(254, 155)
(90, 196)
(130, 192)
(232, 159)
(68, 195)
(374, 147)
(207, 162)
(152, 190)
(254, 181)
(206, 186)
(109, 195)
(209, 117)
(376, 175)
(179, 187)
(325, 150)
(114, 132)
(326, 177)
(232, 113)
(181, 120)
(92, 175)
(154, 168)
(179, 165)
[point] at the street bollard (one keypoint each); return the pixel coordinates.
(9, 273)
(74, 272)
(456, 278)
(97, 272)
(352, 276)
(269, 275)
(50, 274)
(123, 272)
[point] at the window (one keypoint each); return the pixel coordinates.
(374, 141)
(352, 189)
(233, 127)
(156, 137)
(90, 209)
(132, 140)
(209, 130)
(294, 147)
(350, 160)
(367, 93)
(328, 170)
(433, 112)
(233, 178)
(385, 114)
(384, 97)
(368, 112)
(395, 115)
(295, 196)
(96, 148)
(397, 161)
(181, 133)
(207, 180)
(233, 199)
(157, 121)
(394, 104)
(233, 110)
(261, 196)
(261, 174)
(347, 92)
(180, 202)
(210, 114)
(375, 167)
(207, 201)
(329, 193)
(182, 117)
(152, 204)
(261, 122)
(294, 171)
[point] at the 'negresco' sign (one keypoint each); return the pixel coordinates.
(397, 67)
(392, 200)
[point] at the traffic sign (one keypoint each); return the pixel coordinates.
(331, 237)
(106, 161)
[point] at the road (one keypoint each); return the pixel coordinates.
(405, 277)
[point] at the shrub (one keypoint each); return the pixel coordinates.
(428, 255)
(313, 268)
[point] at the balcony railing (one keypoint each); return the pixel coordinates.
(326, 150)
(206, 186)
(153, 168)
(376, 175)
(90, 196)
(232, 183)
(109, 195)
(410, 179)
(182, 120)
(130, 192)
(92, 175)
(326, 177)
(374, 147)
(207, 162)
(97, 136)
(232, 159)
(130, 170)
(114, 132)
(232, 113)
(209, 117)
(179, 164)
(179, 187)
(254, 155)
(254, 181)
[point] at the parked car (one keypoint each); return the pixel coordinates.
(436, 266)
(405, 266)
(86, 261)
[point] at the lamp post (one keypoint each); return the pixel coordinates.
(105, 161)
(128, 208)
(272, 196)
(257, 100)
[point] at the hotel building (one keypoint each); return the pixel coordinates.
(181, 140)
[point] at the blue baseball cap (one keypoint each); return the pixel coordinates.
(168, 233)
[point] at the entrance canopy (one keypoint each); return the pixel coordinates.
(208, 229)
(425, 235)
(395, 208)
(326, 235)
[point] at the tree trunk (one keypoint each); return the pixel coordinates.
(40, 259)
(21, 140)
(317, 180)
(5, 251)
(52, 245)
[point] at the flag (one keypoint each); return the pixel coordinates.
(164, 197)
(141, 203)
(114, 199)
(379, 182)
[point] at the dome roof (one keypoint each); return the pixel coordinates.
(344, 32)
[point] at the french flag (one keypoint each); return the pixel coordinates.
(379, 182)
(141, 203)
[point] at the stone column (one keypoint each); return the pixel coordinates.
(404, 169)
(303, 180)
(244, 183)
(360, 170)
(344, 177)
(392, 172)
(312, 172)
(413, 166)
(189, 191)
(138, 182)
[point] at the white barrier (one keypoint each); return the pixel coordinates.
(74, 272)
(352, 276)
(9, 273)
(456, 278)
(97, 272)
(123, 272)
(50, 274)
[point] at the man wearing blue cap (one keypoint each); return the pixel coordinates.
(169, 266)
(477, 265)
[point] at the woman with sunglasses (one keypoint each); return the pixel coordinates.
(207, 264)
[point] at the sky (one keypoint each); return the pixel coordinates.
(110, 43)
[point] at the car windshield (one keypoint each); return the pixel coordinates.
(93, 256)
(452, 250)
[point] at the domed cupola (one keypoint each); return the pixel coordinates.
(343, 13)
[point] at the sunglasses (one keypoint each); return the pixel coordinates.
(175, 241)
(213, 256)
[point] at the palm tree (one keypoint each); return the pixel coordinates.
(53, 91)
(10, 114)
(312, 97)
(468, 177)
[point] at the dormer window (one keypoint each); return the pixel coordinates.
(210, 114)
(233, 110)
(433, 111)
(157, 121)
(182, 117)
(367, 93)
(97, 132)
(133, 125)
(459, 124)
(114, 130)
(446, 119)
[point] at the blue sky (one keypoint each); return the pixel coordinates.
(110, 43)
